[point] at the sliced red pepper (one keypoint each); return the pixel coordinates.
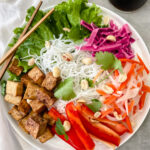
(73, 139)
(99, 130)
(114, 125)
(76, 123)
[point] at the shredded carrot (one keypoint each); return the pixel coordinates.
(110, 99)
(134, 110)
(124, 115)
(142, 100)
(131, 105)
(128, 122)
(139, 84)
(118, 110)
(101, 92)
(97, 75)
(116, 73)
(129, 60)
(107, 112)
(145, 88)
(140, 92)
(140, 70)
(129, 75)
(112, 86)
(142, 63)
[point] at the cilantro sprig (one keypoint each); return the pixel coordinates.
(65, 90)
(60, 129)
(108, 61)
(95, 105)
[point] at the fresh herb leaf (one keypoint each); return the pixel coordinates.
(60, 129)
(3, 87)
(90, 82)
(108, 61)
(95, 105)
(13, 77)
(65, 90)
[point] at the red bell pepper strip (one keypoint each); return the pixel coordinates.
(76, 123)
(99, 130)
(114, 125)
(73, 139)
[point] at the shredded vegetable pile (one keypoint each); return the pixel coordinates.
(99, 40)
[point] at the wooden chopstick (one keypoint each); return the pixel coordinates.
(13, 49)
(8, 60)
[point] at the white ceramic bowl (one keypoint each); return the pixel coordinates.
(57, 144)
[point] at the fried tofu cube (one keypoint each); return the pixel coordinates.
(22, 123)
(37, 106)
(31, 91)
(14, 112)
(14, 88)
(45, 97)
(36, 75)
(47, 135)
(36, 126)
(50, 120)
(24, 107)
(14, 68)
(25, 79)
(50, 81)
(13, 99)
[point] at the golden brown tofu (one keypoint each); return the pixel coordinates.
(36, 75)
(14, 112)
(31, 91)
(14, 68)
(24, 107)
(23, 122)
(50, 120)
(14, 88)
(46, 136)
(45, 97)
(37, 106)
(25, 79)
(50, 81)
(36, 126)
(13, 99)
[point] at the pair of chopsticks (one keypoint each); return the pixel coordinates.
(9, 55)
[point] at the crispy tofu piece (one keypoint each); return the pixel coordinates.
(47, 135)
(25, 79)
(15, 113)
(31, 91)
(23, 122)
(37, 106)
(14, 68)
(36, 126)
(36, 75)
(45, 97)
(14, 88)
(50, 120)
(50, 81)
(24, 107)
(13, 99)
